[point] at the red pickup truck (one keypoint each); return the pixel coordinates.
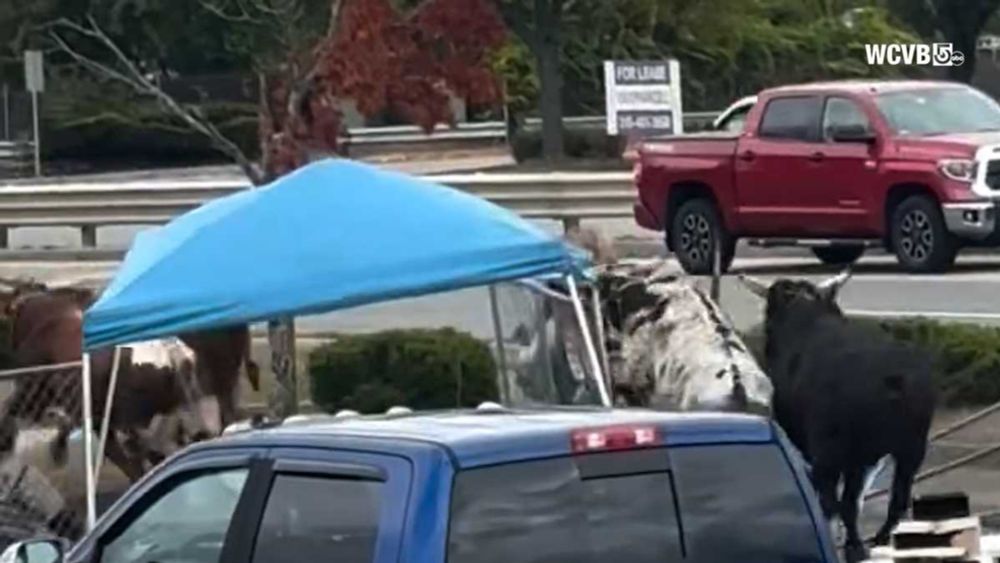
(913, 166)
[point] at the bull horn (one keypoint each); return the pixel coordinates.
(756, 286)
(832, 285)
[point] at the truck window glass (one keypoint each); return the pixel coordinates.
(742, 503)
(319, 519)
(543, 511)
(939, 111)
(841, 112)
(188, 523)
(791, 118)
(735, 121)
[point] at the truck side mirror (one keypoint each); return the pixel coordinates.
(851, 134)
(34, 551)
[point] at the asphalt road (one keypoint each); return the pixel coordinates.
(969, 293)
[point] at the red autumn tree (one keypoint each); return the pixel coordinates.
(384, 60)
(371, 52)
(380, 56)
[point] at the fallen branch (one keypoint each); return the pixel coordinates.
(133, 77)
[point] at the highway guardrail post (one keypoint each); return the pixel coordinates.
(88, 235)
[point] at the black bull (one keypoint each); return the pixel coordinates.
(846, 396)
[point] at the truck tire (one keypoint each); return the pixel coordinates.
(839, 255)
(919, 236)
(695, 230)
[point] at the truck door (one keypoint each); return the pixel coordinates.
(848, 172)
(186, 512)
(776, 169)
(329, 505)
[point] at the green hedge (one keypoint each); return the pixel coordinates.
(421, 369)
(967, 356)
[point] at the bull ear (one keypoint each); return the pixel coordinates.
(756, 286)
(831, 287)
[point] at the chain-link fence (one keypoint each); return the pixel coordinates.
(41, 479)
(963, 456)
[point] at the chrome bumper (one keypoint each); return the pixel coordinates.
(970, 220)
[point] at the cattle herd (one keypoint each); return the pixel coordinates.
(845, 395)
(168, 393)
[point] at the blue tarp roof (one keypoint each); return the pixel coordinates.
(331, 235)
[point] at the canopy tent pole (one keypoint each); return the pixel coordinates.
(595, 304)
(588, 341)
(88, 444)
(108, 404)
(501, 352)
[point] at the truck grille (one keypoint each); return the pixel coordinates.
(993, 175)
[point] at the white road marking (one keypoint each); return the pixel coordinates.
(926, 314)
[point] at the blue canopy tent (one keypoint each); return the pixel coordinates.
(331, 235)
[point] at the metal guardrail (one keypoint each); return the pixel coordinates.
(487, 130)
(567, 196)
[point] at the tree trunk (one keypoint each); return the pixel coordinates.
(961, 23)
(966, 71)
(283, 398)
(547, 48)
(550, 100)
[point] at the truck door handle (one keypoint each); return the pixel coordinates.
(748, 155)
(816, 156)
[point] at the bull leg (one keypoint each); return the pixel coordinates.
(227, 408)
(132, 467)
(854, 480)
(8, 435)
(825, 479)
(899, 502)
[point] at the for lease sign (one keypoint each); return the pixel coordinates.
(643, 97)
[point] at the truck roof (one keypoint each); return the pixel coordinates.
(858, 86)
(481, 437)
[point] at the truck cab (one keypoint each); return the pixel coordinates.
(478, 485)
(837, 166)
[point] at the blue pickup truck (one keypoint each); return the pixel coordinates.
(483, 485)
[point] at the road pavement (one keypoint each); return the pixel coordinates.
(878, 289)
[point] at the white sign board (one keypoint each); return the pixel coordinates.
(34, 75)
(643, 97)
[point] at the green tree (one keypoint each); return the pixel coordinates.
(958, 22)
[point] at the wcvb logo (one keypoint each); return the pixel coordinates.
(937, 54)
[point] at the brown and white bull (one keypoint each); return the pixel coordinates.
(158, 381)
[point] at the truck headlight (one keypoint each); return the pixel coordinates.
(962, 170)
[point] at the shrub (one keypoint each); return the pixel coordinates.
(967, 356)
(421, 369)
(579, 143)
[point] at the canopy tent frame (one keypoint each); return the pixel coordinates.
(143, 300)
(93, 458)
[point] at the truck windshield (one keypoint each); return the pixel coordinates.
(939, 111)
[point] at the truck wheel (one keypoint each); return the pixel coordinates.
(696, 229)
(839, 255)
(919, 236)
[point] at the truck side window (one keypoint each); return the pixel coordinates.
(319, 519)
(735, 121)
(742, 503)
(794, 118)
(548, 512)
(841, 112)
(188, 523)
